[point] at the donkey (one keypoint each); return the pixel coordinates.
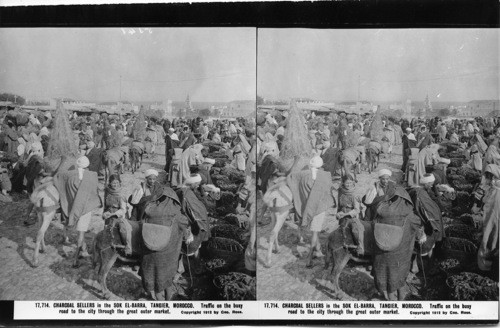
(350, 160)
(136, 153)
(45, 198)
(113, 160)
(279, 200)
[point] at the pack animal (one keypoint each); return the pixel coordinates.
(372, 156)
(135, 155)
(113, 160)
(350, 162)
(45, 197)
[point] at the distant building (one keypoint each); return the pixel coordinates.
(118, 108)
(404, 106)
(165, 107)
(356, 107)
(238, 108)
(478, 108)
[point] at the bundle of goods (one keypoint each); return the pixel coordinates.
(451, 266)
(19, 118)
(457, 162)
(224, 184)
(224, 248)
(463, 202)
(456, 177)
(468, 286)
(296, 142)
(236, 286)
(213, 146)
(462, 231)
(217, 266)
(459, 248)
(233, 174)
(61, 142)
(221, 158)
(227, 198)
(450, 146)
(469, 174)
(230, 231)
(463, 185)
(465, 219)
(236, 219)
(456, 154)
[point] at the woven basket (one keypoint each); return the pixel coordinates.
(228, 231)
(463, 231)
(224, 248)
(474, 287)
(459, 248)
(217, 266)
(226, 284)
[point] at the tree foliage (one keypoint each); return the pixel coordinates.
(12, 98)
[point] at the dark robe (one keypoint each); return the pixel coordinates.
(159, 268)
(33, 169)
(331, 160)
(391, 268)
(430, 213)
(95, 158)
(197, 214)
(266, 170)
(169, 150)
(191, 140)
(425, 140)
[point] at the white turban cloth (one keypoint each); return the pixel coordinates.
(428, 179)
(209, 161)
(150, 172)
(193, 179)
(316, 162)
(82, 162)
(443, 160)
(383, 172)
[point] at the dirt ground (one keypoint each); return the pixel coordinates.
(296, 282)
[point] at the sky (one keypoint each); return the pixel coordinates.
(387, 65)
(156, 64)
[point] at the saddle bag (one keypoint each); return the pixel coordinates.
(388, 237)
(156, 237)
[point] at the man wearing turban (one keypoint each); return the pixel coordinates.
(377, 191)
(427, 208)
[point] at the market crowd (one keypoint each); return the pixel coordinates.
(108, 145)
(406, 209)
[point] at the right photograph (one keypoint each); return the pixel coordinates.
(378, 169)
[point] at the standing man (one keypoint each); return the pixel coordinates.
(169, 149)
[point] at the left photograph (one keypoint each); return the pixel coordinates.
(127, 164)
